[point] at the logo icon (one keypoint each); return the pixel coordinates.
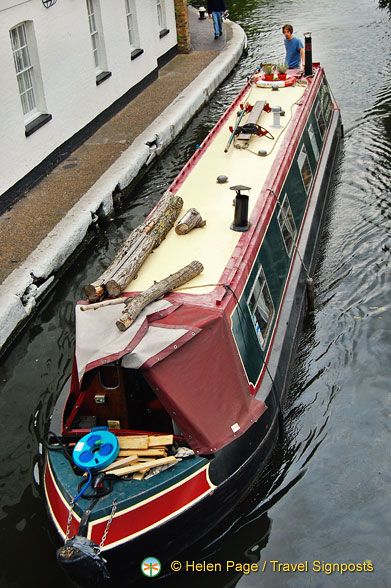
(151, 566)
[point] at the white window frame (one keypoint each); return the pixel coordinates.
(260, 305)
(320, 120)
(96, 33)
(24, 69)
(305, 168)
(161, 15)
(131, 19)
(314, 143)
(287, 225)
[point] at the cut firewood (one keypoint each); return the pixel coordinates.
(133, 441)
(141, 466)
(121, 463)
(137, 303)
(151, 452)
(140, 475)
(160, 440)
(136, 248)
(191, 220)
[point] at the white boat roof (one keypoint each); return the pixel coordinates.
(214, 244)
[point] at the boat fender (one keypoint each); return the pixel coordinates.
(261, 83)
(81, 560)
(96, 450)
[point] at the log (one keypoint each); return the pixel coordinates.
(137, 303)
(191, 220)
(136, 248)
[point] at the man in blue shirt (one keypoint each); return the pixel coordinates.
(216, 9)
(294, 48)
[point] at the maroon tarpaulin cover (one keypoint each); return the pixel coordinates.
(188, 356)
(203, 386)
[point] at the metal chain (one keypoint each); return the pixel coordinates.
(114, 508)
(72, 504)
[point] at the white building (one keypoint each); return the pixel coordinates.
(65, 62)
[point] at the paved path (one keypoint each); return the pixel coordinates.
(32, 231)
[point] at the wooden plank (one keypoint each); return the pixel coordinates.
(141, 474)
(153, 452)
(147, 464)
(253, 117)
(133, 441)
(155, 440)
(121, 462)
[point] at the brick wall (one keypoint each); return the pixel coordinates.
(182, 26)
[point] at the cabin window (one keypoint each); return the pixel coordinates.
(320, 120)
(287, 224)
(261, 307)
(313, 140)
(109, 377)
(305, 168)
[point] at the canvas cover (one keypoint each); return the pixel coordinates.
(188, 356)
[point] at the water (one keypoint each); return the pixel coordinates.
(325, 495)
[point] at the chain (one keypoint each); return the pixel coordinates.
(72, 504)
(114, 508)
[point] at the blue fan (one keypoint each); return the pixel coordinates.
(96, 450)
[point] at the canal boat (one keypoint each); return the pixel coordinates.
(164, 426)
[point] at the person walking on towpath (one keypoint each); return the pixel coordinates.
(294, 48)
(216, 9)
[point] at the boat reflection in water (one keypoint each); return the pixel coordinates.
(173, 406)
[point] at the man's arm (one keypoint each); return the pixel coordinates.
(302, 54)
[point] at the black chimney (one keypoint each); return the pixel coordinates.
(308, 54)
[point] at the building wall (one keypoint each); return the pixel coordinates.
(61, 51)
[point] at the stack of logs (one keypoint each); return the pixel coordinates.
(140, 453)
(136, 248)
(140, 243)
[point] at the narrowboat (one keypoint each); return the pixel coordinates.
(165, 424)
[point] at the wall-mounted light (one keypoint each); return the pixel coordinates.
(48, 3)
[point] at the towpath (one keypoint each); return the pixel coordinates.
(48, 222)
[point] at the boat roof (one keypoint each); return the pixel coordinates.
(197, 185)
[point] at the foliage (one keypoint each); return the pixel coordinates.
(268, 68)
(282, 67)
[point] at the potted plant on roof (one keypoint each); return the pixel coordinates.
(268, 71)
(281, 70)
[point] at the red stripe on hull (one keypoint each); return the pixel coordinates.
(60, 512)
(139, 518)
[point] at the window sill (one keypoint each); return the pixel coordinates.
(102, 77)
(36, 124)
(136, 53)
(164, 32)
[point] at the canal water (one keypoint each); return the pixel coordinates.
(325, 496)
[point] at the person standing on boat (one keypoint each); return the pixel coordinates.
(216, 9)
(294, 48)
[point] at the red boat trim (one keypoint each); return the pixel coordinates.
(136, 519)
(282, 171)
(151, 513)
(58, 507)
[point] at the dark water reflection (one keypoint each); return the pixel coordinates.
(325, 495)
